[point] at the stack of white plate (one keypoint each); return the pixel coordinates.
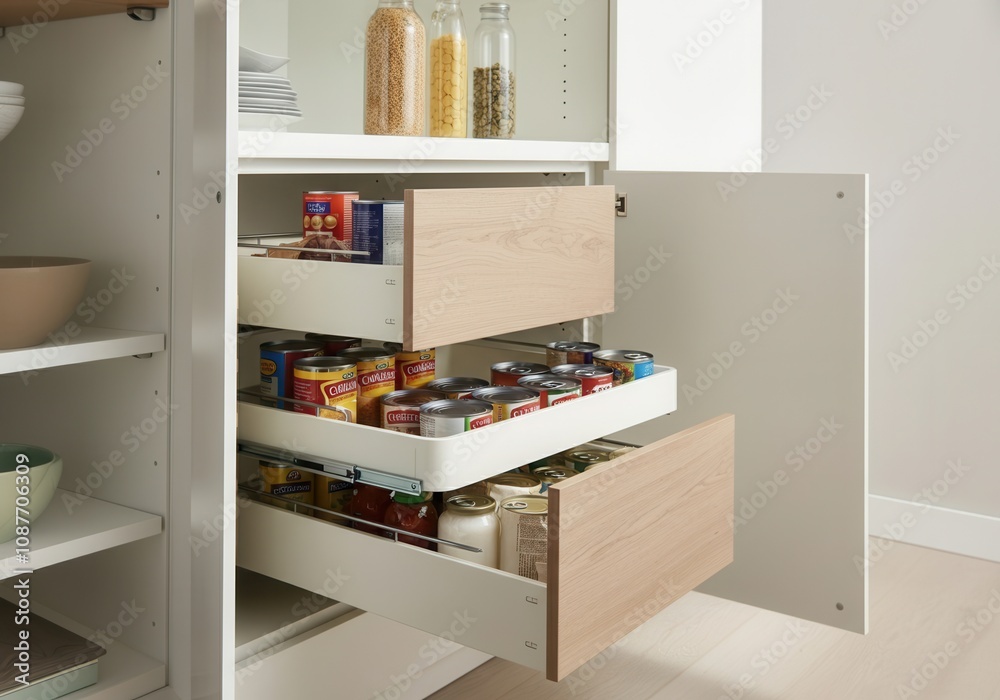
(11, 106)
(262, 92)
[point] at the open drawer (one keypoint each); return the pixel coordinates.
(381, 457)
(477, 263)
(625, 540)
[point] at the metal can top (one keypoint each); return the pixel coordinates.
(456, 408)
(457, 384)
(290, 346)
(526, 505)
(552, 474)
(326, 192)
(586, 456)
(573, 346)
(520, 368)
(504, 394)
(623, 356)
(583, 370)
(526, 481)
(541, 382)
(411, 397)
(323, 364)
(470, 504)
(367, 354)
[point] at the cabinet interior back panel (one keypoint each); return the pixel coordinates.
(87, 174)
(562, 61)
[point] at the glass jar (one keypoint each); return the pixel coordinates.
(449, 105)
(413, 513)
(395, 43)
(494, 85)
(471, 519)
(370, 503)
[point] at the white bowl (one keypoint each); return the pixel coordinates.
(256, 61)
(11, 88)
(12, 100)
(10, 115)
(44, 470)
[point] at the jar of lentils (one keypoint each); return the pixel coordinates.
(494, 86)
(395, 44)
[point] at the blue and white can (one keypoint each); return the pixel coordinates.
(378, 230)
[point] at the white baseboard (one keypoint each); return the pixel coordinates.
(969, 534)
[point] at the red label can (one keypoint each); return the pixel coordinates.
(401, 409)
(507, 373)
(509, 401)
(553, 388)
(329, 214)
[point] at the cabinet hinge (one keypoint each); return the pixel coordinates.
(621, 204)
(141, 14)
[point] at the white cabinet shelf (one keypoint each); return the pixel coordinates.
(93, 526)
(90, 345)
(270, 152)
(444, 464)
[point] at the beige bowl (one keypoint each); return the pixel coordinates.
(37, 295)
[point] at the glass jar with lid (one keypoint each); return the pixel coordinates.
(471, 519)
(494, 85)
(449, 74)
(413, 513)
(395, 43)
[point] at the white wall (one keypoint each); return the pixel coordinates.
(894, 77)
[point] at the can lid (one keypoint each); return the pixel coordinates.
(457, 384)
(323, 363)
(583, 370)
(456, 408)
(586, 456)
(520, 368)
(366, 353)
(411, 397)
(550, 474)
(549, 381)
(411, 498)
(572, 345)
(526, 505)
(624, 355)
(504, 394)
(520, 480)
(471, 504)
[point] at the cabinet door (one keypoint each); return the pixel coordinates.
(755, 288)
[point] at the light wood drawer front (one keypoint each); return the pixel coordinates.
(482, 262)
(625, 540)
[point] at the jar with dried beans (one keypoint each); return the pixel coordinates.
(494, 86)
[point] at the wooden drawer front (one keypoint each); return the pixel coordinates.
(628, 538)
(625, 540)
(482, 262)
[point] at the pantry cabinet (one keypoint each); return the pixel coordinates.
(749, 476)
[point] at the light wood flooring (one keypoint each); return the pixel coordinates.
(924, 642)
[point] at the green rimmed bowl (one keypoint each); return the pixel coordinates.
(44, 470)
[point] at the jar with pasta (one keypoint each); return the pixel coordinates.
(449, 74)
(494, 86)
(395, 44)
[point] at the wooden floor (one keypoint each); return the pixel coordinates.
(925, 641)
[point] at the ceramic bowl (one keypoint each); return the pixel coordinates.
(44, 470)
(10, 115)
(37, 295)
(8, 88)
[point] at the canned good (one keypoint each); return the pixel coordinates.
(415, 369)
(615, 454)
(594, 378)
(401, 409)
(332, 494)
(563, 352)
(376, 376)
(581, 459)
(507, 485)
(553, 475)
(471, 519)
(329, 214)
(458, 387)
(333, 344)
(453, 416)
(552, 388)
(277, 366)
(524, 536)
(509, 401)
(507, 373)
(378, 230)
(327, 381)
(628, 365)
(285, 481)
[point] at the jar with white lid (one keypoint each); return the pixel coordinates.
(471, 519)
